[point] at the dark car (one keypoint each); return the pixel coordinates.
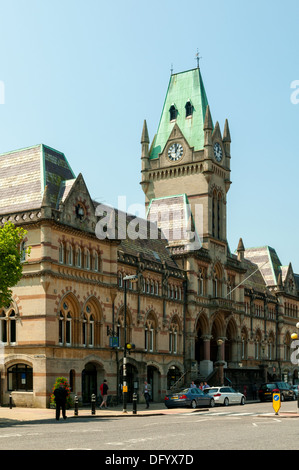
(193, 397)
(286, 392)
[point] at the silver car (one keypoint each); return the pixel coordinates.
(225, 396)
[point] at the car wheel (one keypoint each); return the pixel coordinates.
(225, 401)
(193, 404)
(242, 401)
(212, 403)
(282, 397)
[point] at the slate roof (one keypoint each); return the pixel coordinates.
(173, 217)
(268, 262)
(24, 174)
(138, 237)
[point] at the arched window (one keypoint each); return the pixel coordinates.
(72, 380)
(87, 259)
(172, 112)
(84, 331)
(287, 347)
(200, 283)
(258, 346)
(65, 324)
(78, 256)
(20, 377)
(244, 340)
(68, 330)
(149, 333)
(3, 328)
(61, 253)
(188, 108)
(61, 328)
(91, 330)
(96, 261)
(70, 256)
(12, 327)
(173, 336)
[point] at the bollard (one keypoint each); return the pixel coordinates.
(76, 405)
(93, 404)
(134, 403)
(10, 401)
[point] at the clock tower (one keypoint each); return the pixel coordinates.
(187, 165)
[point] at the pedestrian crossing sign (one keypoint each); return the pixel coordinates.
(276, 401)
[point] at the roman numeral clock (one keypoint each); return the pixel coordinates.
(175, 152)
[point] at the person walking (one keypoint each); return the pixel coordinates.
(193, 385)
(104, 392)
(146, 393)
(205, 385)
(60, 395)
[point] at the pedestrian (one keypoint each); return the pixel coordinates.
(201, 386)
(60, 395)
(147, 393)
(193, 385)
(205, 385)
(254, 390)
(104, 392)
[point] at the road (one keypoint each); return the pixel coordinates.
(249, 427)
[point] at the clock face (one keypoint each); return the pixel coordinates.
(175, 152)
(218, 152)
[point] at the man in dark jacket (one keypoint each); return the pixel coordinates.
(104, 392)
(60, 395)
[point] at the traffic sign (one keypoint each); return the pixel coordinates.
(276, 401)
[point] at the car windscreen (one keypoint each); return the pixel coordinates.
(210, 390)
(268, 386)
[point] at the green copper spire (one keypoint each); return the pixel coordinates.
(184, 89)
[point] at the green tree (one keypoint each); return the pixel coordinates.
(11, 256)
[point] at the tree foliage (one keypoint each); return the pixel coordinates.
(11, 255)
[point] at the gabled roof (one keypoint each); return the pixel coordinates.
(183, 87)
(25, 173)
(173, 217)
(268, 262)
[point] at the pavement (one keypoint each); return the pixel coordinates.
(15, 415)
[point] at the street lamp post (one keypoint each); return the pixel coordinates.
(132, 278)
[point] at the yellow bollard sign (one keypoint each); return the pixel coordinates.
(276, 401)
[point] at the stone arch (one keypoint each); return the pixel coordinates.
(217, 332)
(230, 350)
(202, 331)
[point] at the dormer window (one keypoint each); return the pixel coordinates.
(173, 112)
(80, 212)
(189, 109)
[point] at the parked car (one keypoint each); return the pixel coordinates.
(189, 397)
(225, 396)
(286, 391)
(295, 388)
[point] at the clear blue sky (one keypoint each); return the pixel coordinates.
(81, 76)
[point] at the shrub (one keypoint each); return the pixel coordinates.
(64, 381)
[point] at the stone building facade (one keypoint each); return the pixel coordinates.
(196, 311)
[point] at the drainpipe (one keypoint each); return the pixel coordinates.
(184, 325)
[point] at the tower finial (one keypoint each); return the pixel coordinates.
(171, 69)
(197, 58)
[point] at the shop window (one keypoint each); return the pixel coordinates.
(20, 377)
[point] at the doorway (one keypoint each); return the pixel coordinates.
(89, 382)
